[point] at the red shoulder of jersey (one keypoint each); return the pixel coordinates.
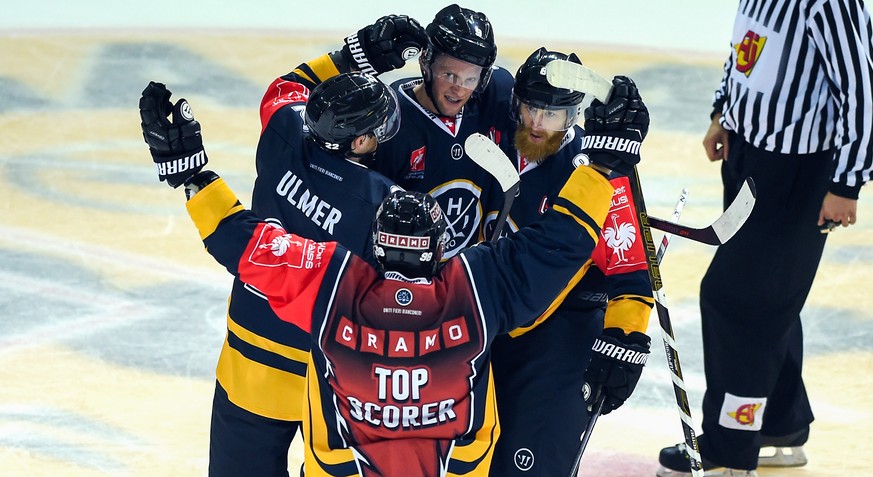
(289, 269)
(281, 93)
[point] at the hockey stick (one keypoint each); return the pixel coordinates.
(574, 76)
(484, 152)
(667, 330)
(677, 212)
(569, 75)
(598, 405)
(586, 434)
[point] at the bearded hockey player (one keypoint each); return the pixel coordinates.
(539, 373)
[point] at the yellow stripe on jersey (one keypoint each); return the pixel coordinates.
(629, 312)
(316, 448)
(257, 387)
(211, 205)
(480, 452)
(591, 192)
(323, 68)
(555, 304)
(588, 190)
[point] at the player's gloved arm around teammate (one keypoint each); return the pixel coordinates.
(383, 46)
(615, 131)
(175, 145)
(616, 365)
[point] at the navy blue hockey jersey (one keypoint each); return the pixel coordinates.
(304, 189)
(620, 273)
(427, 155)
(399, 382)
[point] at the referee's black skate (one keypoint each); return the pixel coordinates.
(676, 463)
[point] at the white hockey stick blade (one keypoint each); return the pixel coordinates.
(568, 75)
(737, 213)
(484, 152)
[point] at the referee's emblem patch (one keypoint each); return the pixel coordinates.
(748, 51)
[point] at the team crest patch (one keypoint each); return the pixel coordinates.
(742, 413)
(403, 297)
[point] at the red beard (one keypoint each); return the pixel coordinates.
(536, 152)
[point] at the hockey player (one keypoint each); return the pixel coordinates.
(539, 373)
(318, 127)
(398, 373)
(460, 92)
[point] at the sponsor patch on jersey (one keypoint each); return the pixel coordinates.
(416, 159)
(404, 241)
(417, 163)
(742, 413)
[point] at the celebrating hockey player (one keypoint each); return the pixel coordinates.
(460, 92)
(398, 377)
(310, 180)
(539, 373)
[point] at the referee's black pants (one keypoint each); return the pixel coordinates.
(750, 303)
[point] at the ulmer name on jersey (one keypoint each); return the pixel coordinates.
(323, 214)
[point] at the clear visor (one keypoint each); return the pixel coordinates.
(392, 121)
(454, 72)
(549, 118)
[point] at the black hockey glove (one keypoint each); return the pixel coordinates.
(614, 132)
(176, 146)
(385, 45)
(616, 366)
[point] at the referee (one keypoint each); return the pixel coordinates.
(795, 113)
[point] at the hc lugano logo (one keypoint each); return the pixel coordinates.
(459, 202)
(403, 297)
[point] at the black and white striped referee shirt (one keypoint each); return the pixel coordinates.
(800, 80)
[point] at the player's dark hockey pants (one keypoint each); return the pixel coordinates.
(245, 444)
(539, 378)
(750, 303)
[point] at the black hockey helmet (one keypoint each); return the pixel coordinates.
(409, 234)
(463, 34)
(532, 89)
(350, 105)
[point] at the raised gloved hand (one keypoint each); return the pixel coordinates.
(614, 132)
(385, 45)
(616, 365)
(176, 146)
